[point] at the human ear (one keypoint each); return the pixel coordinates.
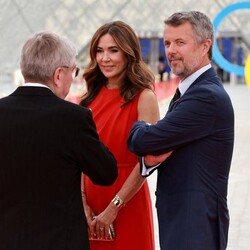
(206, 45)
(57, 77)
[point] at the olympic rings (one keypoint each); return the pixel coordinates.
(218, 58)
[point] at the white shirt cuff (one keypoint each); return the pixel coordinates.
(147, 170)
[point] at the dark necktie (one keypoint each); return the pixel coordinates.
(177, 95)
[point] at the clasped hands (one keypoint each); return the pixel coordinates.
(101, 226)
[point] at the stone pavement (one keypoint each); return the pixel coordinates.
(239, 179)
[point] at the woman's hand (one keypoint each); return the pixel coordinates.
(100, 226)
(89, 213)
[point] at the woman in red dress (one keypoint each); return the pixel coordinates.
(119, 92)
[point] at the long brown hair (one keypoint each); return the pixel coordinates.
(137, 77)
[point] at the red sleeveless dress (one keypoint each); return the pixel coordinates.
(134, 222)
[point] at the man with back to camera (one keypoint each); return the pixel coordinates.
(46, 143)
(199, 131)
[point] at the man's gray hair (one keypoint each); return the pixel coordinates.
(201, 25)
(43, 53)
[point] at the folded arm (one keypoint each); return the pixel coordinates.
(189, 121)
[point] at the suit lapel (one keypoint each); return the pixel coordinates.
(206, 75)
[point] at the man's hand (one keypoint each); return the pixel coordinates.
(151, 160)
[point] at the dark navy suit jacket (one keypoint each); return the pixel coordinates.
(192, 183)
(45, 145)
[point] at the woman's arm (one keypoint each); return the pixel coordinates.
(148, 111)
(89, 213)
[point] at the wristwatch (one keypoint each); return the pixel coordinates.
(118, 202)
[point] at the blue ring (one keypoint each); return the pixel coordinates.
(218, 58)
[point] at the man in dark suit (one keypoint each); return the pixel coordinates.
(199, 131)
(46, 143)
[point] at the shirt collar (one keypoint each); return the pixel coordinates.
(29, 84)
(185, 84)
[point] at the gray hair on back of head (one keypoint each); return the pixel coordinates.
(42, 53)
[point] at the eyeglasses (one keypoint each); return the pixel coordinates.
(75, 71)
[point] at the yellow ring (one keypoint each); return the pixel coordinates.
(247, 71)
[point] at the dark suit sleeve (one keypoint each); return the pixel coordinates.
(94, 157)
(193, 118)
